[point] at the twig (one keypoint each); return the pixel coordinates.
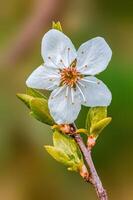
(96, 182)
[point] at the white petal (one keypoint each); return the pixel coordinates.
(95, 92)
(57, 49)
(63, 106)
(93, 56)
(44, 78)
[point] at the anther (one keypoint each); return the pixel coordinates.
(82, 52)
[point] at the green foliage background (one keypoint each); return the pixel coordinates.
(27, 172)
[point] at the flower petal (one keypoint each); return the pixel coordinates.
(44, 78)
(57, 49)
(93, 56)
(64, 104)
(95, 92)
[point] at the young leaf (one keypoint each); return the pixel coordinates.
(66, 151)
(57, 25)
(95, 115)
(68, 145)
(25, 98)
(35, 93)
(40, 111)
(97, 120)
(99, 126)
(57, 154)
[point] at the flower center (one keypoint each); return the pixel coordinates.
(70, 76)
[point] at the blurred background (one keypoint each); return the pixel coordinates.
(27, 172)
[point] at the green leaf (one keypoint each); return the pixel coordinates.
(40, 111)
(99, 126)
(97, 120)
(57, 154)
(94, 115)
(26, 99)
(35, 93)
(68, 145)
(66, 151)
(57, 25)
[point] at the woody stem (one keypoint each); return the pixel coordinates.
(96, 182)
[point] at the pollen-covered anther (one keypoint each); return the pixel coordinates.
(70, 76)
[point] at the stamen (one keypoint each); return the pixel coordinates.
(88, 81)
(67, 92)
(84, 66)
(51, 79)
(68, 58)
(81, 84)
(98, 82)
(62, 62)
(70, 76)
(58, 92)
(81, 93)
(72, 95)
(52, 61)
(50, 87)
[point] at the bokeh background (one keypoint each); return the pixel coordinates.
(27, 172)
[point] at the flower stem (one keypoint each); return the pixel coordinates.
(95, 180)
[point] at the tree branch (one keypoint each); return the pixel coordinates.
(95, 180)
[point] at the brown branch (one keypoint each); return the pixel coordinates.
(95, 180)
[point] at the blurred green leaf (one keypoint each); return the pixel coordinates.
(57, 25)
(97, 120)
(39, 108)
(26, 99)
(66, 151)
(40, 111)
(35, 93)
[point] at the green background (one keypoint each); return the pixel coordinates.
(27, 172)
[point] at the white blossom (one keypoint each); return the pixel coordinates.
(70, 74)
